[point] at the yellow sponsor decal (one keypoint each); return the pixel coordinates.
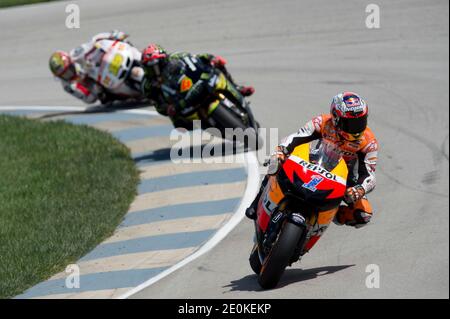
(186, 84)
(115, 64)
(221, 82)
(302, 151)
(341, 169)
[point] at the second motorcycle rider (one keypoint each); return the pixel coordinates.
(162, 68)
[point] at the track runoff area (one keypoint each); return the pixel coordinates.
(171, 222)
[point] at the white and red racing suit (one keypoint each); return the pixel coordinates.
(83, 56)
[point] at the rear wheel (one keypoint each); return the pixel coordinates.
(279, 256)
(225, 118)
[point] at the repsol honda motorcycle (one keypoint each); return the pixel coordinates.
(297, 205)
(187, 76)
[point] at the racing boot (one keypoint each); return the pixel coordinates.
(246, 90)
(356, 215)
(250, 212)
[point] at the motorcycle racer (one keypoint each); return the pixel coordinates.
(77, 69)
(346, 127)
(73, 78)
(162, 68)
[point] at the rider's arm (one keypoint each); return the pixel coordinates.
(153, 93)
(216, 61)
(367, 161)
(206, 57)
(309, 132)
(80, 91)
(78, 54)
(195, 97)
(113, 35)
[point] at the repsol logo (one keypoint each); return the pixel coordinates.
(318, 169)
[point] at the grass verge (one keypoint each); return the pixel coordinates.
(11, 3)
(63, 189)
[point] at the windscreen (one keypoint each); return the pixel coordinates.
(324, 154)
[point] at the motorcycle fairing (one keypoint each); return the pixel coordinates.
(301, 171)
(269, 201)
(115, 61)
(324, 197)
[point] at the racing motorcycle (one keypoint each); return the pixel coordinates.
(297, 205)
(190, 75)
(113, 67)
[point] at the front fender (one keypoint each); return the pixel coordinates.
(297, 219)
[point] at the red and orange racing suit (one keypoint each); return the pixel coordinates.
(360, 156)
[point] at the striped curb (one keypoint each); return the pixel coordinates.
(180, 212)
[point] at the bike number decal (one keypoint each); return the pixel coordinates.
(115, 64)
(313, 183)
(186, 84)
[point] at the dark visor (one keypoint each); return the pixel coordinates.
(353, 125)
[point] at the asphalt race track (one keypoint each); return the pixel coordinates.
(298, 54)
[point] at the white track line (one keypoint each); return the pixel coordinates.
(251, 166)
(250, 192)
(71, 108)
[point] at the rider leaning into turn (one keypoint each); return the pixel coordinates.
(346, 127)
(161, 67)
(73, 68)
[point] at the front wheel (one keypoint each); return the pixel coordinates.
(226, 118)
(280, 255)
(254, 261)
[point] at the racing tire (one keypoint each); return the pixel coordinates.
(225, 118)
(279, 256)
(254, 261)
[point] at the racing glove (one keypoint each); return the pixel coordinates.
(276, 160)
(282, 153)
(118, 35)
(353, 194)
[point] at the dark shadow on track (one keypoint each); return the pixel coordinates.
(107, 108)
(204, 151)
(290, 276)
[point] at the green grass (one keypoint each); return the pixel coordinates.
(11, 3)
(63, 189)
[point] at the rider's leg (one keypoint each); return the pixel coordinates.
(244, 90)
(250, 212)
(179, 122)
(352, 214)
(135, 78)
(225, 86)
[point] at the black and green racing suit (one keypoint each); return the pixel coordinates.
(184, 82)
